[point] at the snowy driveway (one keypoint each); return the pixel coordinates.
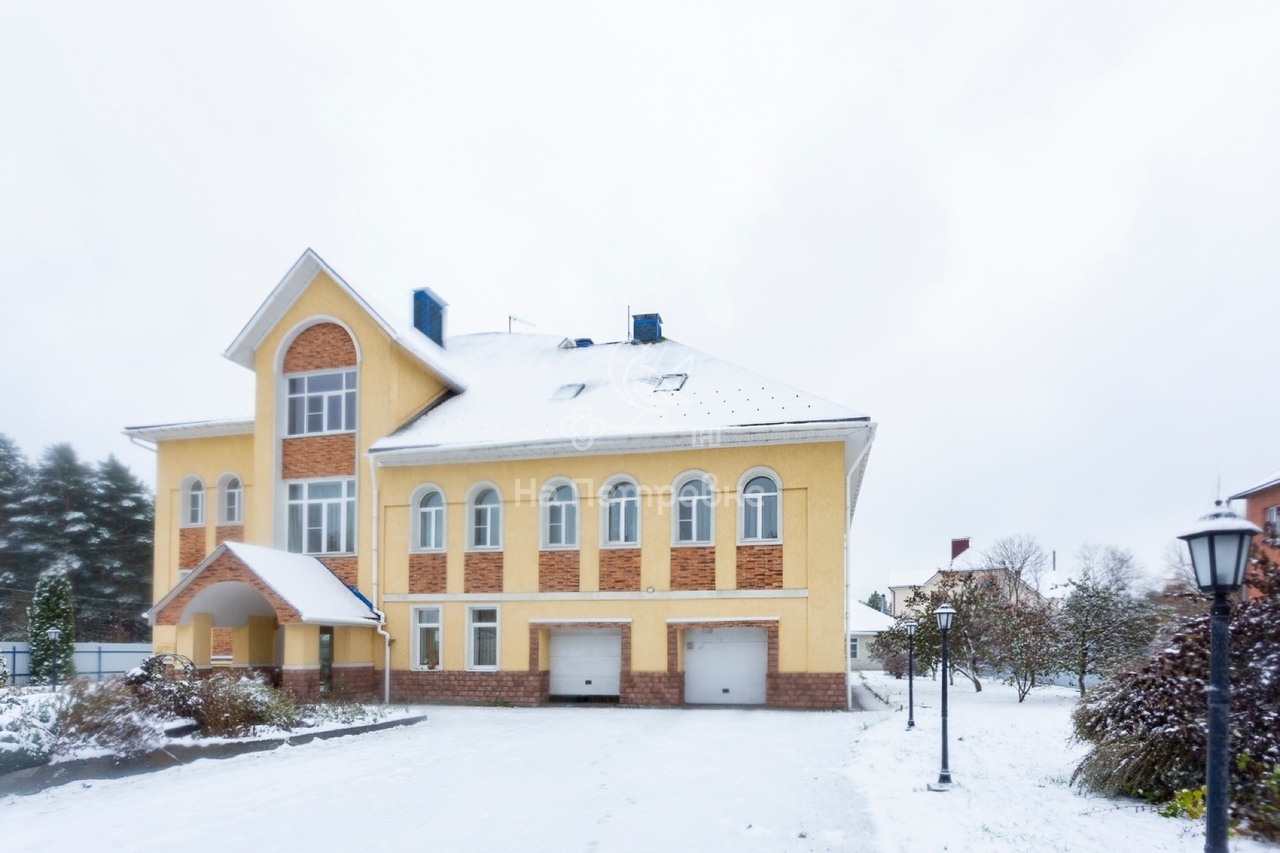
(554, 779)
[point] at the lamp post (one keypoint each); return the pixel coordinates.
(910, 625)
(1219, 545)
(944, 615)
(53, 635)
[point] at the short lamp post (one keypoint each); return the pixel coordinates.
(944, 614)
(53, 634)
(910, 625)
(1219, 545)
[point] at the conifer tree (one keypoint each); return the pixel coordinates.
(51, 608)
(115, 582)
(16, 576)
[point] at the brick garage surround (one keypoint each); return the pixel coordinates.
(558, 571)
(620, 570)
(759, 566)
(693, 568)
(190, 547)
(513, 688)
(226, 568)
(228, 533)
(482, 571)
(343, 568)
(313, 456)
(320, 347)
(426, 574)
(350, 683)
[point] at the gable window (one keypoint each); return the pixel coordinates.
(482, 637)
(193, 503)
(322, 402)
(427, 653)
(559, 516)
(760, 510)
(853, 648)
(622, 514)
(322, 517)
(693, 512)
(1271, 522)
(486, 519)
(232, 501)
(429, 522)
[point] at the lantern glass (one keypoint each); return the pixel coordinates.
(53, 634)
(1226, 558)
(944, 615)
(910, 625)
(1200, 560)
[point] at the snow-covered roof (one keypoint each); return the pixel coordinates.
(301, 581)
(192, 429)
(399, 329)
(1271, 479)
(868, 620)
(528, 391)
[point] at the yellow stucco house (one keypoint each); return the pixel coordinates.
(505, 517)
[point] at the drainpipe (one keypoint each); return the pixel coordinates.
(382, 617)
(848, 505)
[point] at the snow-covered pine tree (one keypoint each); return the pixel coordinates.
(51, 608)
(115, 584)
(15, 566)
(876, 601)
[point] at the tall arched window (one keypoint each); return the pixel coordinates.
(486, 519)
(760, 517)
(428, 519)
(230, 500)
(622, 514)
(693, 511)
(193, 502)
(559, 515)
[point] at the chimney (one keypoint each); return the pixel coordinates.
(646, 328)
(428, 314)
(959, 546)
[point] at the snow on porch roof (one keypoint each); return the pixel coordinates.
(301, 581)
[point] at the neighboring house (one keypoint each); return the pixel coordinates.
(1017, 589)
(865, 623)
(505, 517)
(1262, 507)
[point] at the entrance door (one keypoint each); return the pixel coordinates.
(586, 662)
(725, 666)
(326, 659)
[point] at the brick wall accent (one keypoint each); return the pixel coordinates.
(482, 571)
(808, 691)
(228, 533)
(693, 568)
(221, 642)
(620, 570)
(759, 566)
(623, 628)
(318, 456)
(349, 684)
(226, 568)
(320, 347)
(426, 574)
(343, 568)
(661, 689)
(513, 688)
(558, 571)
(190, 547)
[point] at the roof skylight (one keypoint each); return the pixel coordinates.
(672, 382)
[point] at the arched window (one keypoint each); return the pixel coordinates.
(760, 509)
(230, 500)
(428, 520)
(193, 502)
(622, 514)
(486, 519)
(559, 515)
(693, 511)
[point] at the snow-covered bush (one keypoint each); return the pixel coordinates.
(345, 713)
(108, 716)
(164, 686)
(1147, 725)
(227, 705)
(4, 672)
(28, 730)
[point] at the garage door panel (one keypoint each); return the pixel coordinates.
(725, 666)
(586, 662)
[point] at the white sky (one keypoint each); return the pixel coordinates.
(1036, 243)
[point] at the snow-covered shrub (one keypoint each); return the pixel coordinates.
(345, 713)
(896, 665)
(227, 705)
(164, 686)
(4, 672)
(28, 730)
(106, 715)
(1147, 725)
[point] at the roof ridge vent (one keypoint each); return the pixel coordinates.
(646, 328)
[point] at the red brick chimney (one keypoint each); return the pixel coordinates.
(958, 547)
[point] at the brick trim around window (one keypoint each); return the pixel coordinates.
(427, 574)
(558, 571)
(759, 566)
(321, 347)
(482, 571)
(693, 568)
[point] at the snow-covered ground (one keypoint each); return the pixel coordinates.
(600, 778)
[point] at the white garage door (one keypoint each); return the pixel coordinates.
(586, 662)
(725, 666)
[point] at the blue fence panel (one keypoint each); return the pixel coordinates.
(94, 661)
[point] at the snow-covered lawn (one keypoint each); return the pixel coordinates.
(599, 778)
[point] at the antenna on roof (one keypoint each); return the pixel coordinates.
(512, 318)
(628, 324)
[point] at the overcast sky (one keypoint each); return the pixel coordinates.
(1037, 243)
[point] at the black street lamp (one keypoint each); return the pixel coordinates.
(910, 625)
(944, 615)
(1219, 546)
(53, 634)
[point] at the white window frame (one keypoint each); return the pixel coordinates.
(471, 665)
(415, 519)
(604, 502)
(225, 492)
(350, 521)
(712, 497)
(743, 507)
(191, 487)
(1271, 517)
(853, 648)
(476, 491)
(327, 397)
(416, 637)
(571, 528)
